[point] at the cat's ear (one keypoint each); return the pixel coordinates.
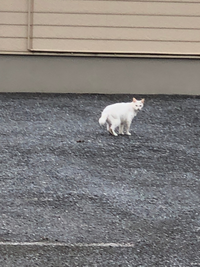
(142, 100)
(134, 100)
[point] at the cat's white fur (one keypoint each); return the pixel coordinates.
(120, 115)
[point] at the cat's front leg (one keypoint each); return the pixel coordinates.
(121, 129)
(128, 124)
(108, 127)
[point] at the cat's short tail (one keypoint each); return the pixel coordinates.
(103, 119)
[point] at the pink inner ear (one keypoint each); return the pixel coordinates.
(134, 100)
(142, 100)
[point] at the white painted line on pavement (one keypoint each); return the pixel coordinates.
(53, 244)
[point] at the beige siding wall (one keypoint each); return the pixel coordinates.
(164, 27)
(152, 27)
(13, 25)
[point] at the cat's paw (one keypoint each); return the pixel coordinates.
(128, 133)
(112, 132)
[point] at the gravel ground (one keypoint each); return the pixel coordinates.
(81, 197)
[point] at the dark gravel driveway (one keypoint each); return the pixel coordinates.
(73, 195)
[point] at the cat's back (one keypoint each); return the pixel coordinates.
(117, 107)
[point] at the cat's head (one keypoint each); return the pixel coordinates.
(138, 104)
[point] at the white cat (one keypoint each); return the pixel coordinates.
(120, 115)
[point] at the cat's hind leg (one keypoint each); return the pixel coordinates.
(114, 124)
(108, 126)
(112, 131)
